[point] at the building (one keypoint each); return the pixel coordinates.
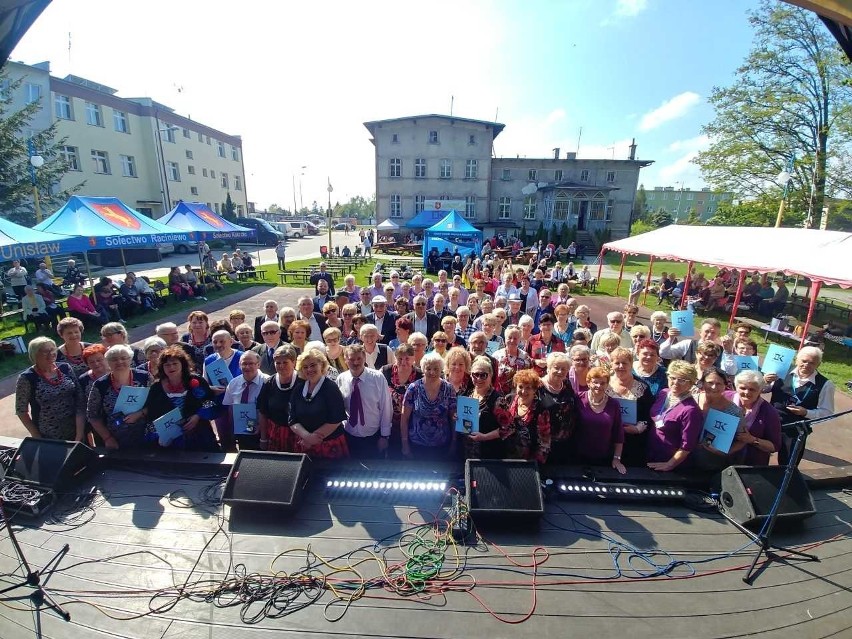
(420, 160)
(679, 203)
(135, 149)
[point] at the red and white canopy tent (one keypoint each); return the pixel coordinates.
(821, 256)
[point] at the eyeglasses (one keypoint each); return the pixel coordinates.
(329, 312)
(349, 315)
(615, 321)
(331, 340)
(679, 380)
(440, 341)
(270, 332)
(478, 375)
(420, 304)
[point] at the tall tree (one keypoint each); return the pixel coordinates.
(640, 203)
(793, 94)
(16, 186)
(758, 212)
(229, 209)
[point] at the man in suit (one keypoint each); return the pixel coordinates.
(423, 321)
(323, 296)
(322, 274)
(270, 308)
(383, 319)
(271, 335)
(316, 320)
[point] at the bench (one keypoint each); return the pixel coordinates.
(258, 272)
(13, 313)
(300, 274)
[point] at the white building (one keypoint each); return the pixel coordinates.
(135, 149)
(420, 159)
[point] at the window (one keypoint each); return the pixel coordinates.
(207, 137)
(235, 154)
(444, 197)
(190, 169)
(507, 174)
(33, 92)
(446, 169)
(504, 208)
(201, 139)
(609, 205)
(188, 154)
(238, 183)
(101, 161)
(471, 139)
(470, 207)
(128, 166)
(93, 114)
(395, 138)
(216, 206)
(119, 120)
(193, 190)
(395, 205)
(225, 184)
(186, 133)
(471, 169)
(220, 149)
(610, 176)
(690, 195)
(712, 197)
(532, 174)
(395, 167)
(419, 203)
(169, 133)
(529, 207)
(239, 210)
(677, 195)
(557, 175)
(560, 209)
(666, 195)
(420, 168)
(212, 174)
(4, 88)
(62, 104)
(433, 137)
(173, 171)
(71, 156)
(598, 210)
(584, 175)
(204, 174)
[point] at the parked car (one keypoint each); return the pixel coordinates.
(344, 227)
(293, 229)
(266, 235)
(186, 247)
(166, 249)
(313, 229)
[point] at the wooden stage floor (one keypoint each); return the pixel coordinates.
(151, 532)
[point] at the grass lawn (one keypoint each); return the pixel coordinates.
(639, 263)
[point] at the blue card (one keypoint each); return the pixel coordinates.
(218, 373)
(492, 346)
(778, 360)
(169, 426)
(628, 411)
(719, 430)
(245, 419)
(684, 321)
(746, 363)
(130, 399)
(467, 415)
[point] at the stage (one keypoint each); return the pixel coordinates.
(158, 529)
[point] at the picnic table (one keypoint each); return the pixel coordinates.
(253, 274)
(300, 274)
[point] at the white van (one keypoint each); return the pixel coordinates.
(293, 229)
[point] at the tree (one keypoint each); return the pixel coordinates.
(793, 94)
(840, 216)
(639, 227)
(692, 217)
(758, 212)
(229, 209)
(16, 187)
(661, 218)
(540, 234)
(640, 202)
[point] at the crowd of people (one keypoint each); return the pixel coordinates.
(377, 371)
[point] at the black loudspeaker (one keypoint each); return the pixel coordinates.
(503, 488)
(52, 463)
(748, 493)
(267, 480)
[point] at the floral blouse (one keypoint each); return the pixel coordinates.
(507, 366)
(527, 437)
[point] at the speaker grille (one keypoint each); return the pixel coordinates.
(52, 463)
(503, 487)
(762, 484)
(266, 478)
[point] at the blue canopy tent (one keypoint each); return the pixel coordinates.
(453, 233)
(19, 242)
(426, 219)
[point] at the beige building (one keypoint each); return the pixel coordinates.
(135, 149)
(421, 159)
(680, 202)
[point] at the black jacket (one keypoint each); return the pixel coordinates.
(433, 324)
(387, 327)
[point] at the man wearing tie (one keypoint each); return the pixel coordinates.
(368, 403)
(244, 389)
(270, 309)
(271, 333)
(383, 319)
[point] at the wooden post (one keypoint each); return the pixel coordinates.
(648, 280)
(620, 273)
(815, 287)
(686, 285)
(737, 298)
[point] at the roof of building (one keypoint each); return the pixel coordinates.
(498, 127)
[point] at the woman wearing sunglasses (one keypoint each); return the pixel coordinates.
(493, 414)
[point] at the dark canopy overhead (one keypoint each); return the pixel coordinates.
(16, 17)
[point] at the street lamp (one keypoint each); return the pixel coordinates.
(165, 185)
(36, 162)
(328, 222)
(784, 178)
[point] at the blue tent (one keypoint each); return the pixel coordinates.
(19, 242)
(453, 232)
(196, 217)
(107, 222)
(426, 219)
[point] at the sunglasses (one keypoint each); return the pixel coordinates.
(349, 315)
(440, 341)
(478, 375)
(269, 332)
(330, 313)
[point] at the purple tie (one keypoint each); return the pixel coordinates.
(356, 408)
(245, 396)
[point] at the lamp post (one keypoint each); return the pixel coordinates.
(784, 178)
(328, 221)
(165, 175)
(36, 162)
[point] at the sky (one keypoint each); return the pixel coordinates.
(297, 80)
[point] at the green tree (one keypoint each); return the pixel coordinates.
(840, 216)
(640, 203)
(16, 187)
(758, 212)
(229, 209)
(692, 217)
(639, 227)
(793, 93)
(540, 234)
(661, 218)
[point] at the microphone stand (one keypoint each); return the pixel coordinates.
(40, 596)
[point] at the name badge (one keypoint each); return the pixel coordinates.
(659, 423)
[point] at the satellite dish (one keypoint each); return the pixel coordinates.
(529, 189)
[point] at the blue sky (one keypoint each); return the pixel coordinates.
(297, 80)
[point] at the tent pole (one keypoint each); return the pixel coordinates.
(123, 262)
(89, 270)
(686, 285)
(620, 273)
(648, 280)
(815, 287)
(600, 263)
(737, 298)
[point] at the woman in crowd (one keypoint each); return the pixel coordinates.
(236, 317)
(659, 330)
(707, 356)
(623, 385)
(583, 313)
(581, 337)
(490, 326)
(439, 344)
(599, 437)
(48, 398)
(96, 364)
(317, 411)
(449, 325)
(152, 347)
(631, 313)
(581, 361)
(494, 414)
(245, 337)
(331, 313)
(457, 370)
(401, 306)
(556, 386)
(678, 420)
(81, 307)
(223, 349)
(35, 310)
(399, 376)
(348, 331)
(638, 333)
(178, 387)
(404, 328)
(526, 435)
(106, 300)
(198, 336)
(419, 343)
(712, 395)
(179, 286)
(53, 310)
(286, 316)
(648, 366)
(331, 337)
(70, 329)
(116, 431)
(273, 403)
(114, 334)
(762, 435)
(299, 331)
(510, 360)
(563, 328)
(607, 345)
(427, 427)
(226, 266)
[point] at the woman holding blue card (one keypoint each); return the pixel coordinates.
(493, 413)
(678, 420)
(762, 436)
(716, 451)
(635, 399)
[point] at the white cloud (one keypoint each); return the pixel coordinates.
(669, 110)
(699, 142)
(629, 8)
(554, 116)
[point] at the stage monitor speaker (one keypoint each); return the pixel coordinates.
(52, 463)
(748, 493)
(267, 480)
(503, 489)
